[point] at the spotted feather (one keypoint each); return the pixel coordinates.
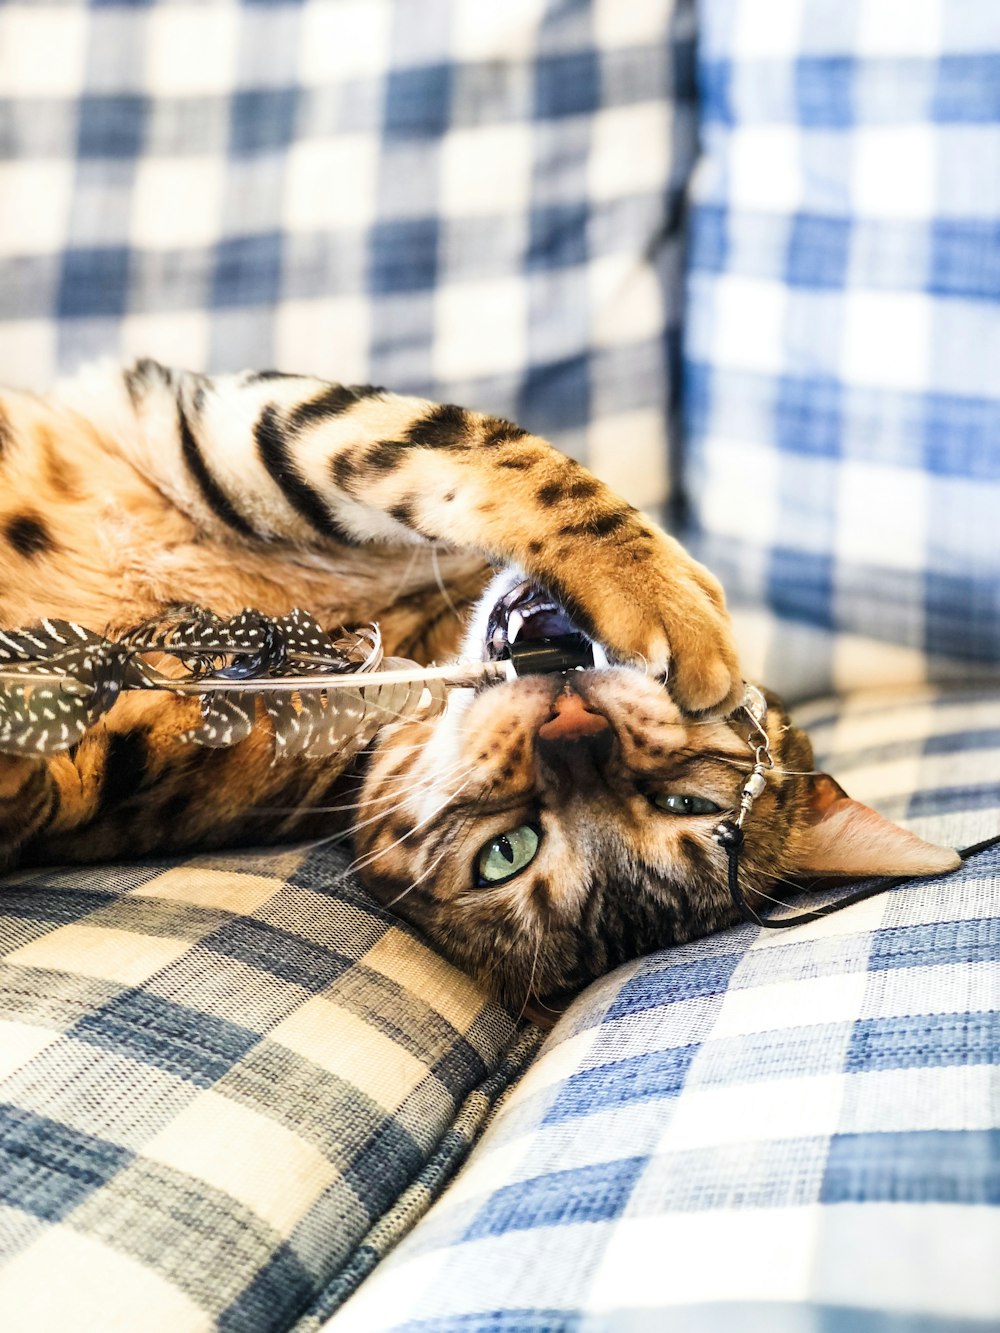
(57, 679)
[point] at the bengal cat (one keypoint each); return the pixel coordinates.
(541, 831)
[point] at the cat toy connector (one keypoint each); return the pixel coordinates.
(729, 833)
(561, 653)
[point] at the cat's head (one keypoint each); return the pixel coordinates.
(547, 829)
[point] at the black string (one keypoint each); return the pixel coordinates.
(966, 852)
(731, 838)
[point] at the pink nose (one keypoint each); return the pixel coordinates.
(572, 720)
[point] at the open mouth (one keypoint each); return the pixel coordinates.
(528, 614)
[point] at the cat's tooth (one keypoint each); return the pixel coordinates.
(600, 656)
(514, 622)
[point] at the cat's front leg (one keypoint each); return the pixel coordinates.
(473, 481)
(262, 458)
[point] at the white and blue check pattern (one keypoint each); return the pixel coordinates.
(479, 203)
(482, 203)
(782, 1132)
(843, 336)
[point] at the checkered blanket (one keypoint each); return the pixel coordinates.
(842, 339)
(764, 1130)
(227, 1086)
(480, 203)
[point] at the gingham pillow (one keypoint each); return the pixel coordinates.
(776, 1131)
(842, 338)
(227, 1087)
(475, 202)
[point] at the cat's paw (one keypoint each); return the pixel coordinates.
(657, 607)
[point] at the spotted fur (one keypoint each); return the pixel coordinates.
(132, 490)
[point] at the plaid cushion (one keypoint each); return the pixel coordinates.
(478, 203)
(227, 1086)
(766, 1130)
(843, 402)
(927, 758)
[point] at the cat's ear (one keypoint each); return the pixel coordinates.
(843, 837)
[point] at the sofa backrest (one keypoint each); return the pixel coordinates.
(843, 335)
(480, 203)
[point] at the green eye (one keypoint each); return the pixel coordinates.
(685, 805)
(507, 854)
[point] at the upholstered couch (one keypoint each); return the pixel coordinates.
(745, 262)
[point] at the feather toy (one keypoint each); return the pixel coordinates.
(321, 693)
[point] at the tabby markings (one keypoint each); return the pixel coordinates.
(125, 763)
(144, 373)
(332, 402)
(403, 513)
(215, 497)
(342, 469)
(274, 452)
(443, 428)
(28, 535)
(601, 526)
(499, 431)
(385, 456)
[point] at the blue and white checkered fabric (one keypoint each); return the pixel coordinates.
(479, 203)
(843, 333)
(228, 1085)
(780, 1132)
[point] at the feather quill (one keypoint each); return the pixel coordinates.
(321, 693)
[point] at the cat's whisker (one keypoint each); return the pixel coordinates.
(406, 774)
(531, 979)
(363, 862)
(792, 884)
(456, 838)
(360, 862)
(401, 801)
(405, 784)
(400, 772)
(406, 572)
(419, 879)
(398, 795)
(441, 585)
(746, 765)
(325, 809)
(395, 749)
(781, 902)
(768, 897)
(408, 777)
(497, 961)
(452, 844)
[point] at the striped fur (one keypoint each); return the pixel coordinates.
(132, 490)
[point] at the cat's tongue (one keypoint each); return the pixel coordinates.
(545, 624)
(527, 612)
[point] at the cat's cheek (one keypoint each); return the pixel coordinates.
(444, 747)
(555, 891)
(439, 762)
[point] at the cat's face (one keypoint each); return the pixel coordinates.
(549, 828)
